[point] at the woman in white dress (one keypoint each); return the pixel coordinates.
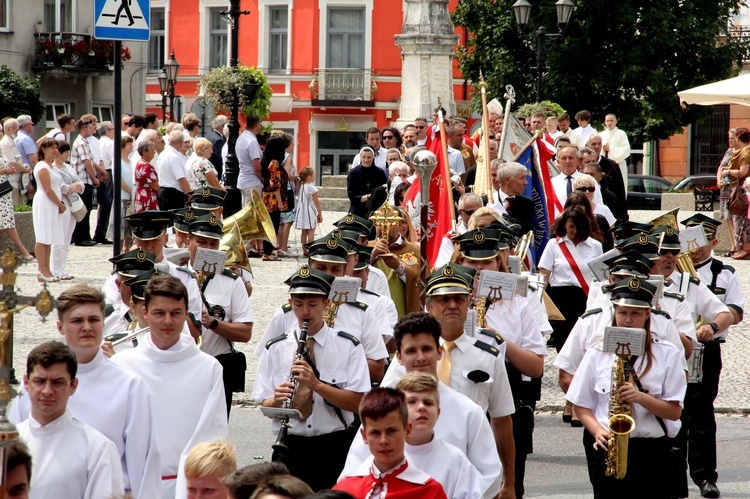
(201, 171)
(71, 187)
(48, 209)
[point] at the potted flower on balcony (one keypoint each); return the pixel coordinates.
(253, 91)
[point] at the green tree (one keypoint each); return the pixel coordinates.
(19, 95)
(629, 58)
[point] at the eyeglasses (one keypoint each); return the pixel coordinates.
(41, 383)
(584, 189)
(467, 212)
(419, 127)
(666, 251)
(388, 137)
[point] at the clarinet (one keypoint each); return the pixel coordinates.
(279, 447)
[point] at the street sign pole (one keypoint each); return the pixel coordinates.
(117, 167)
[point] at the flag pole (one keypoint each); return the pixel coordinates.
(444, 152)
(483, 181)
(510, 98)
(537, 134)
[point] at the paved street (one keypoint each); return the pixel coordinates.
(556, 469)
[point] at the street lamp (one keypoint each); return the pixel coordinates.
(164, 91)
(522, 11)
(171, 69)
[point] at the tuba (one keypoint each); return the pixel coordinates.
(253, 221)
(621, 424)
(231, 242)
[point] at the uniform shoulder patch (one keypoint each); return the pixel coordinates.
(676, 296)
(287, 307)
(368, 292)
(661, 312)
(729, 268)
(349, 337)
(115, 336)
(487, 348)
(230, 273)
(498, 339)
(275, 340)
(695, 281)
(108, 310)
(358, 304)
(593, 311)
(187, 271)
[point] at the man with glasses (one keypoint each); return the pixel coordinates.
(91, 463)
(421, 126)
(392, 139)
(467, 205)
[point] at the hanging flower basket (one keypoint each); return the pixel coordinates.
(251, 85)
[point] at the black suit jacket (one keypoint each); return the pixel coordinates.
(612, 180)
(217, 141)
(522, 211)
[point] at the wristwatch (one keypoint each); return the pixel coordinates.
(714, 326)
(214, 324)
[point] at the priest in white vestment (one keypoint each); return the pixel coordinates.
(70, 458)
(185, 384)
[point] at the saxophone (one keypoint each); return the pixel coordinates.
(620, 425)
(481, 308)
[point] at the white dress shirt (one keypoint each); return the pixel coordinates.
(554, 260)
(172, 167)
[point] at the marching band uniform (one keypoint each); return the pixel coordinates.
(649, 443)
(117, 316)
(137, 293)
(403, 481)
(698, 419)
(188, 398)
(226, 299)
(382, 306)
(71, 459)
(377, 282)
(340, 362)
(461, 423)
(126, 419)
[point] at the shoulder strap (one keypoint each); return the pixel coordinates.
(349, 337)
(495, 336)
(287, 307)
(716, 267)
(275, 340)
(640, 387)
(487, 348)
(591, 312)
(573, 264)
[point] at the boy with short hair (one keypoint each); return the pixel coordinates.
(441, 460)
(386, 473)
(205, 467)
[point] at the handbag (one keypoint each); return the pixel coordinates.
(738, 201)
(235, 365)
(5, 188)
(77, 208)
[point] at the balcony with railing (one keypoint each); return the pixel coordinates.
(343, 87)
(74, 53)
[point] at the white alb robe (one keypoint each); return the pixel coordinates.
(187, 393)
(126, 419)
(449, 466)
(71, 460)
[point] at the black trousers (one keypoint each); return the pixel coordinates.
(317, 461)
(276, 219)
(697, 437)
(82, 232)
(648, 458)
(104, 200)
(171, 198)
(571, 301)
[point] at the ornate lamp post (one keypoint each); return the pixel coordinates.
(164, 91)
(522, 11)
(171, 69)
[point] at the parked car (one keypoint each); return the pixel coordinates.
(706, 182)
(644, 191)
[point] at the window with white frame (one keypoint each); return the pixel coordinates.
(4, 15)
(218, 38)
(102, 112)
(278, 32)
(345, 47)
(58, 15)
(53, 111)
(157, 42)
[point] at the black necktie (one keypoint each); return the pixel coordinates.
(570, 185)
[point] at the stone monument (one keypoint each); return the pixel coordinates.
(426, 45)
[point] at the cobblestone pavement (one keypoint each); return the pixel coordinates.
(91, 265)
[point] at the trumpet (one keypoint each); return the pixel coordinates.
(279, 446)
(131, 337)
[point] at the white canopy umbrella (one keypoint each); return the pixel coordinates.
(732, 91)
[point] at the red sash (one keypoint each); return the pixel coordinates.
(573, 265)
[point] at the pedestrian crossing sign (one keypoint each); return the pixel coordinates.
(125, 20)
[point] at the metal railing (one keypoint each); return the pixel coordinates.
(343, 84)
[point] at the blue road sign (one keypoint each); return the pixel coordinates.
(125, 20)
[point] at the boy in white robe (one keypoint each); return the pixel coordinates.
(71, 459)
(441, 460)
(185, 384)
(127, 416)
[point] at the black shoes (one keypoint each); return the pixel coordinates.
(104, 241)
(90, 242)
(709, 489)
